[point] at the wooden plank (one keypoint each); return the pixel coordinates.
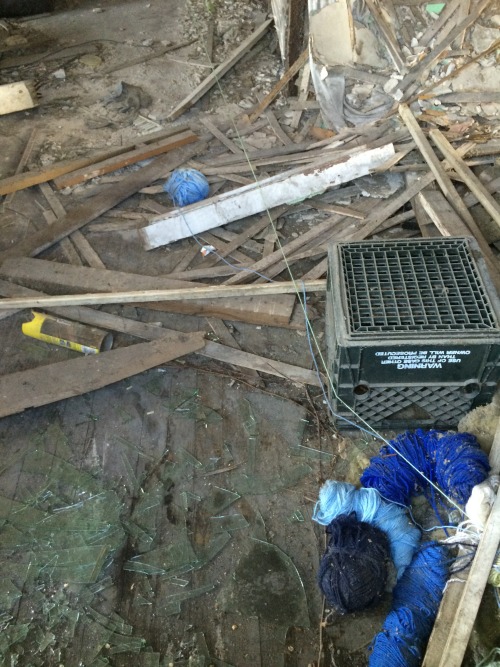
(67, 246)
(125, 159)
(144, 59)
(339, 210)
(35, 243)
(17, 96)
(442, 215)
(145, 331)
(448, 188)
(221, 136)
(293, 185)
(28, 149)
(261, 364)
(37, 176)
(465, 613)
(77, 238)
(151, 296)
(388, 36)
(470, 179)
(278, 87)
(225, 337)
(52, 276)
(64, 379)
(448, 627)
(427, 228)
(277, 129)
(214, 77)
(427, 62)
(305, 78)
(444, 18)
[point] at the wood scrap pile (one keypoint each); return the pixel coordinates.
(283, 187)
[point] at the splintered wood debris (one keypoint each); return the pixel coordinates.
(260, 160)
(380, 121)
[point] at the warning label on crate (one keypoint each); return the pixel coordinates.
(421, 359)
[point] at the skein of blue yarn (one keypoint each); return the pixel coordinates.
(187, 186)
(416, 599)
(337, 498)
(353, 570)
(452, 461)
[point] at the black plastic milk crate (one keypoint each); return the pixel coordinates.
(413, 331)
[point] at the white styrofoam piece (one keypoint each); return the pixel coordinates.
(285, 188)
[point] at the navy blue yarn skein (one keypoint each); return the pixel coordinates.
(453, 461)
(187, 186)
(353, 570)
(416, 599)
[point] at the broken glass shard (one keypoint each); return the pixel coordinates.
(214, 547)
(310, 453)
(227, 523)
(219, 499)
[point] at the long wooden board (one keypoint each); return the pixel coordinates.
(144, 331)
(55, 382)
(120, 161)
(114, 194)
(151, 296)
(55, 277)
(36, 176)
(213, 78)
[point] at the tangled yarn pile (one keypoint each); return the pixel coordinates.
(453, 461)
(353, 569)
(187, 186)
(416, 598)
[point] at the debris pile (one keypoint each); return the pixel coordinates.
(388, 131)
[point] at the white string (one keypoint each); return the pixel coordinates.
(367, 427)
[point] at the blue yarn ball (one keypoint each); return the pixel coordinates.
(353, 570)
(187, 186)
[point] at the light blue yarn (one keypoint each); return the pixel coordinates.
(187, 186)
(336, 498)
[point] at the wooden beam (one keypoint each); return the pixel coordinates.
(148, 296)
(37, 176)
(108, 198)
(470, 179)
(17, 97)
(221, 136)
(278, 87)
(225, 337)
(442, 215)
(305, 77)
(261, 364)
(146, 331)
(460, 608)
(426, 63)
(214, 77)
(52, 276)
(55, 382)
(125, 159)
(448, 188)
(388, 36)
(77, 238)
(293, 185)
(277, 129)
(144, 59)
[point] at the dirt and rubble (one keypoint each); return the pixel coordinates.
(190, 473)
